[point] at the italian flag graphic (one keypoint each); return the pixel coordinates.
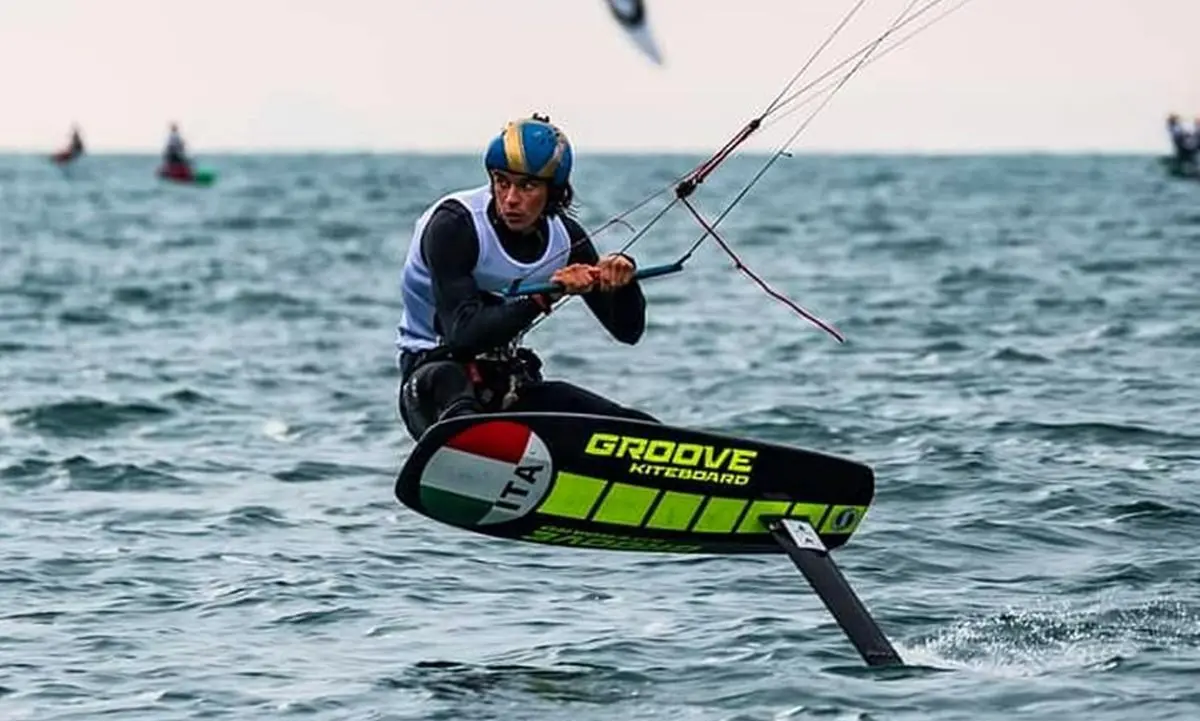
(492, 472)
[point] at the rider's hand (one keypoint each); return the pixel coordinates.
(613, 271)
(576, 279)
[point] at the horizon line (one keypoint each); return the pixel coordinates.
(614, 151)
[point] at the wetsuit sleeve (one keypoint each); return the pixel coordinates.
(469, 320)
(623, 311)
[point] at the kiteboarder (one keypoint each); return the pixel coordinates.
(74, 148)
(458, 338)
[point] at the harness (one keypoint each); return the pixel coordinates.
(499, 375)
(496, 375)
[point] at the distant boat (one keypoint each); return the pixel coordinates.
(631, 15)
(180, 173)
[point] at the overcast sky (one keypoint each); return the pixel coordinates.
(1057, 75)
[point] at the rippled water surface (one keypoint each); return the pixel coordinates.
(198, 442)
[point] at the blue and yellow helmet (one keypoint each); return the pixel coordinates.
(531, 147)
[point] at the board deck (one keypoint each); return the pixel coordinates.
(619, 484)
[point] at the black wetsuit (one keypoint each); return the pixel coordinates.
(439, 383)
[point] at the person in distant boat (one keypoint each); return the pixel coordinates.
(175, 154)
(458, 338)
(1184, 143)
